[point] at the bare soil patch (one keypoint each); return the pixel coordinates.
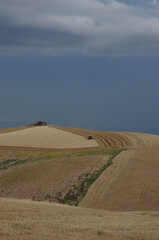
(45, 176)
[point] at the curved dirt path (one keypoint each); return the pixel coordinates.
(131, 183)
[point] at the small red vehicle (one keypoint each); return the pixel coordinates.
(89, 137)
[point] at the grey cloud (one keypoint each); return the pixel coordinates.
(88, 26)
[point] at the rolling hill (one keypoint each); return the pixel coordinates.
(28, 220)
(60, 165)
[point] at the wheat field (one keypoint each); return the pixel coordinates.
(45, 137)
(27, 220)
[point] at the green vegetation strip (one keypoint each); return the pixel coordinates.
(11, 163)
(34, 157)
(75, 195)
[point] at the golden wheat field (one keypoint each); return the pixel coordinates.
(24, 219)
(115, 193)
(45, 137)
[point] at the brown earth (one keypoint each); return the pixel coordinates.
(28, 220)
(44, 176)
(130, 184)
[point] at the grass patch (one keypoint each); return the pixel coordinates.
(21, 227)
(44, 155)
(99, 232)
(11, 163)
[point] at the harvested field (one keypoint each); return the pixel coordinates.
(7, 130)
(27, 220)
(45, 137)
(118, 140)
(130, 184)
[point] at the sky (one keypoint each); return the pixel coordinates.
(90, 64)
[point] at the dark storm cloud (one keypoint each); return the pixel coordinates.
(88, 26)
